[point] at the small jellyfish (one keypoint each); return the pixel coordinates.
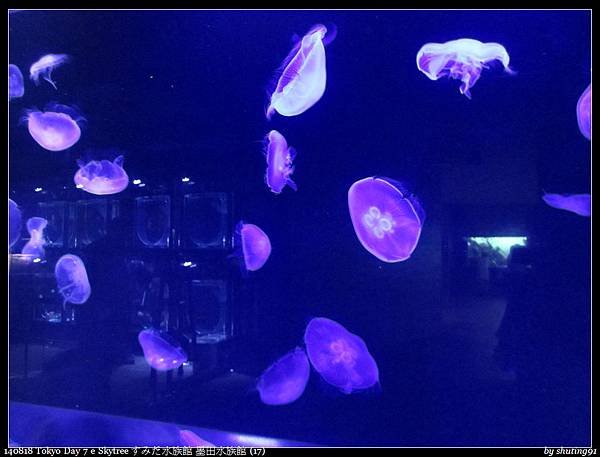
(279, 162)
(462, 59)
(56, 128)
(580, 204)
(303, 75)
(284, 381)
(35, 245)
(584, 113)
(340, 357)
(44, 66)
(190, 439)
(102, 177)
(15, 221)
(161, 351)
(386, 218)
(255, 245)
(16, 87)
(72, 280)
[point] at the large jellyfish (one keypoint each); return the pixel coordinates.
(160, 350)
(580, 204)
(279, 162)
(190, 439)
(255, 245)
(14, 219)
(16, 88)
(35, 245)
(44, 66)
(285, 380)
(462, 59)
(303, 75)
(72, 280)
(56, 128)
(340, 357)
(584, 113)
(386, 218)
(102, 177)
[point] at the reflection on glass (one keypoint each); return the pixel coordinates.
(153, 220)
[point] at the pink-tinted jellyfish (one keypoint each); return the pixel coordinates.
(43, 67)
(462, 59)
(35, 245)
(580, 204)
(340, 357)
(190, 439)
(72, 279)
(584, 113)
(14, 222)
(303, 75)
(284, 381)
(16, 88)
(386, 218)
(102, 177)
(161, 351)
(255, 245)
(279, 162)
(56, 128)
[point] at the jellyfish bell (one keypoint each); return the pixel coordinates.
(253, 246)
(35, 245)
(284, 381)
(15, 223)
(580, 204)
(101, 177)
(16, 87)
(44, 66)
(190, 439)
(387, 219)
(584, 113)
(280, 159)
(72, 279)
(56, 128)
(161, 351)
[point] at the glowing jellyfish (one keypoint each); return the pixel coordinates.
(284, 381)
(16, 87)
(102, 177)
(255, 245)
(279, 162)
(72, 280)
(340, 357)
(303, 78)
(14, 219)
(462, 59)
(55, 129)
(386, 218)
(160, 350)
(35, 245)
(190, 439)
(584, 113)
(580, 204)
(45, 65)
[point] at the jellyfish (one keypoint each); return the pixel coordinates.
(580, 204)
(190, 439)
(35, 245)
(16, 87)
(102, 177)
(584, 113)
(303, 75)
(161, 351)
(14, 219)
(386, 218)
(340, 357)
(56, 128)
(462, 59)
(285, 380)
(72, 280)
(254, 246)
(279, 162)
(44, 66)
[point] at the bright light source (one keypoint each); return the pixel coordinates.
(79, 186)
(38, 189)
(137, 181)
(185, 179)
(187, 263)
(37, 260)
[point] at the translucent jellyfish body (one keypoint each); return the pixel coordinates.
(303, 76)
(43, 67)
(190, 439)
(340, 357)
(35, 245)
(14, 223)
(102, 177)
(55, 129)
(284, 381)
(580, 204)
(584, 113)
(279, 162)
(16, 87)
(462, 59)
(255, 245)
(386, 218)
(72, 280)
(160, 350)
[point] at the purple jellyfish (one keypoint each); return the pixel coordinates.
(462, 59)
(35, 245)
(44, 66)
(55, 129)
(161, 351)
(102, 177)
(16, 88)
(386, 218)
(285, 380)
(14, 219)
(72, 280)
(255, 245)
(190, 439)
(279, 162)
(303, 75)
(580, 204)
(584, 113)
(340, 357)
